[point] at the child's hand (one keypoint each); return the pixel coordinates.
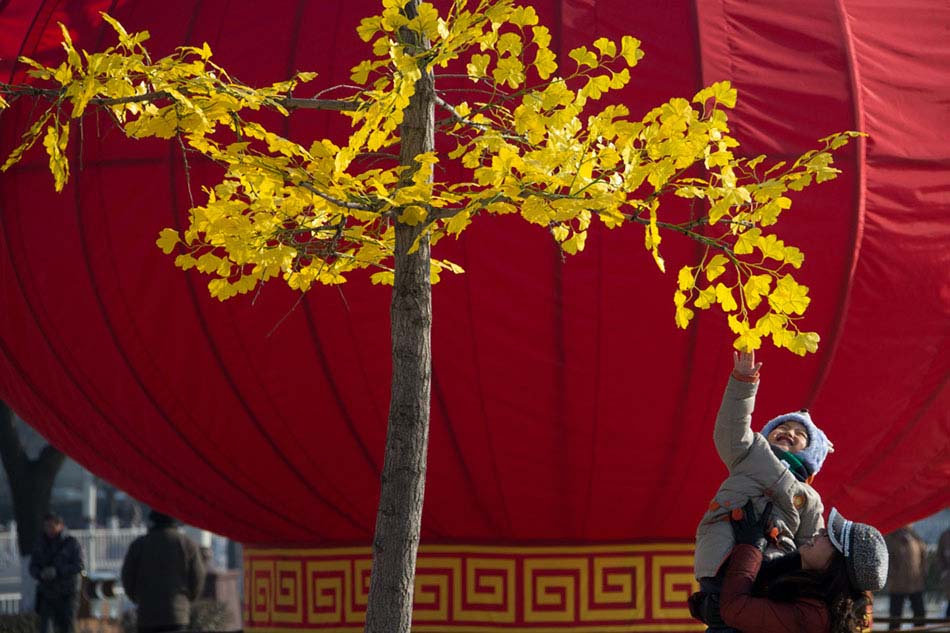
(744, 366)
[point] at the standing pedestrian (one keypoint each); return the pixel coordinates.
(943, 565)
(163, 574)
(908, 565)
(56, 563)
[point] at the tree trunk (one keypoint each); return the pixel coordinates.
(30, 480)
(399, 517)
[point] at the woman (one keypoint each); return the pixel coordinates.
(829, 593)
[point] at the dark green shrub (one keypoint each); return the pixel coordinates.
(19, 623)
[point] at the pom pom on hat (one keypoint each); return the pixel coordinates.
(813, 455)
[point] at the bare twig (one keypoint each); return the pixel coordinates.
(356, 206)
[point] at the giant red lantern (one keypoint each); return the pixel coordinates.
(571, 452)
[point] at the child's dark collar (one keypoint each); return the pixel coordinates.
(794, 464)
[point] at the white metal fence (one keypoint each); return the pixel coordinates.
(10, 602)
(103, 548)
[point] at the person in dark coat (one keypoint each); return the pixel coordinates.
(162, 574)
(908, 569)
(56, 563)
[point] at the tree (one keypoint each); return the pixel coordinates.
(31, 480)
(529, 141)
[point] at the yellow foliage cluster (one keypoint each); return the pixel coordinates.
(532, 140)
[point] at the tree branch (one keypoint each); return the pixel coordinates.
(11, 447)
(455, 116)
(291, 103)
(356, 206)
(337, 105)
(50, 459)
(458, 118)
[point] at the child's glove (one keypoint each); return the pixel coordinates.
(749, 530)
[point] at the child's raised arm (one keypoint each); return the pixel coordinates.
(732, 433)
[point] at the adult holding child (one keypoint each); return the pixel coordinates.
(775, 465)
(824, 587)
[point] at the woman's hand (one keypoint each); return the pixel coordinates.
(744, 367)
(749, 529)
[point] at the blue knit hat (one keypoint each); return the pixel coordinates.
(813, 456)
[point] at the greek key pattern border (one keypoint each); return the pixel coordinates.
(479, 589)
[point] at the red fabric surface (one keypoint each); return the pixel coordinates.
(566, 407)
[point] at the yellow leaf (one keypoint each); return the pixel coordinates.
(630, 50)
(536, 211)
(748, 339)
(782, 338)
(770, 322)
(413, 215)
(753, 289)
(523, 16)
(685, 280)
(583, 56)
(509, 44)
(55, 143)
(746, 241)
(167, 240)
(721, 91)
(789, 296)
(427, 21)
(619, 80)
(595, 87)
(576, 243)
(458, 222)
(706, 297)
(185, 262)
(605, 46)
(501, 208)
(368, 27)
(772, 247)
(541, 36)
(683, 316)
(208, 263)
(715, 267)
(724, 297)
(509, 71)
(477, 67)
(360, 73)
(545, 62)
(652, 240)
(805, 342)
(794, 256)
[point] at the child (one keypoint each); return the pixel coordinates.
(775, 465)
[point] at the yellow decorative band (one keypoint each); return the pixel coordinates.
(479, 589)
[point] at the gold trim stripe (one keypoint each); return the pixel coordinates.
(629, 588)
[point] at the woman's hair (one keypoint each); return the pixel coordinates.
(848, 608)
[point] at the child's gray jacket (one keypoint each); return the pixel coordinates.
(754, 473)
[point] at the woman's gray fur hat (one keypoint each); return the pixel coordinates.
(813, 456)
(865, 553)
